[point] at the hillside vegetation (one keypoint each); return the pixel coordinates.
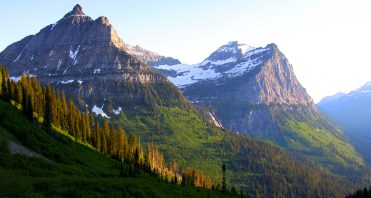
(69, 169)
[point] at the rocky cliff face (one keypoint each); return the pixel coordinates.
(89, 59)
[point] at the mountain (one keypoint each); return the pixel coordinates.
(352, 111)
(87, 60)
(254, 91)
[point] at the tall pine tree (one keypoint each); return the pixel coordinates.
(224, 181)
(47, 124)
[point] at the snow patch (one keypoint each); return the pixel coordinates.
(51, 52)
(215, 121)
(75, 15)
(96, 71)
(248, 65)
(19, 55)
(219, 62)
(59, 64)
(190, 73)
(73, 54)
(116, 112)
(67, 81)
(80, 81)
(227, 48)
(15, 79)
(99, 111)
(18, 78)
(53, 25)
(245, 48)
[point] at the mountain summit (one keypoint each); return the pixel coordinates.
(76, 11)
(87, 59)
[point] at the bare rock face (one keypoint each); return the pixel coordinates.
(253, 101)
(277, 82)
(85, 56)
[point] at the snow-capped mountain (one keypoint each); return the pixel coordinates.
(230, 60)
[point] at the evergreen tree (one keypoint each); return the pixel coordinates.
(29, 108)
(9, 93)
(112, 143)
(136, 162)
(98, 142)
(18, 94)
(224, 181)
(64, 112)
(4, 90)
(24, 101)
(71, 117)
(47, 124)
(87, 126)
(121, 143)
(104, 137)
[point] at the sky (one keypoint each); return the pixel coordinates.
(327, 41)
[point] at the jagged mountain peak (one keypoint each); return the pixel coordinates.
(88, 58)
(76, 11)
(75, 16)
(230, 51)
(235, 47)
(76, 44)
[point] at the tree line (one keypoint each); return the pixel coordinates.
(50, 110)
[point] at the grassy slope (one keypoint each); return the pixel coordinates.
(309, 140)
(181, 134)
(72, 170)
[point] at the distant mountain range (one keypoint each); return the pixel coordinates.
(353, 112)
(240, 88)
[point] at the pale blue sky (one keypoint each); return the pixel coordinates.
(327, 41)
